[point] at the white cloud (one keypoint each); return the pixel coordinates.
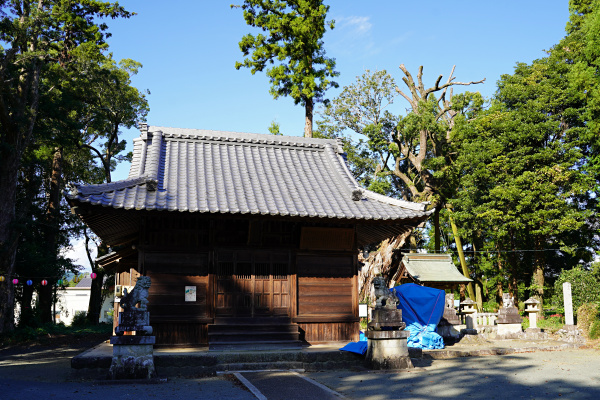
(356, 25)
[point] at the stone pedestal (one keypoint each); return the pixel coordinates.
(132, 357)
(388, 350)
(387, 346)
(509, 320)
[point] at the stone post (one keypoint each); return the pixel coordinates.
(532, 307)
(568, 301)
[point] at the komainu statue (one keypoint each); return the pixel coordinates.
(139, 294)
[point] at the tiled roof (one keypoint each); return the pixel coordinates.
(240, 173)
(432, 268)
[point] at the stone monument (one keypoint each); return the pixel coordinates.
(387, 347)
(509, 320)
(133, 356)
(449, 326)
(568, 302)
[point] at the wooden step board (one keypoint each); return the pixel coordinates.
(252, 335)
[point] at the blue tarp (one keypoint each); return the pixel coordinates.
(357, 347)
(422, 308)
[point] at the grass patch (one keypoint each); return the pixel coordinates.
(49, 333)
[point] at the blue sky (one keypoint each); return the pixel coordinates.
(189, 48)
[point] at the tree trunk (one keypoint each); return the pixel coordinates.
(436, 224)
(461, 255)
(308, 120)
(95, 305)
(9, 166)
(96, 298)
(538, 274)
(52, 230)
(382, 262)
(26, 316)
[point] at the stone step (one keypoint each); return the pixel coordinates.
(254, 345)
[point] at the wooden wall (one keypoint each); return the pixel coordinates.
(320, 332)
(174, 319)
(327, 309)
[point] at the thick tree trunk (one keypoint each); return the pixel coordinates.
(308, 120)
(9, 164)
(382, 262)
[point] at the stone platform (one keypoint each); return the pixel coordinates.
(199, 361)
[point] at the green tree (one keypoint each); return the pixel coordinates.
(36, 36)
(520, 185)
(410, 153)
(291, 50)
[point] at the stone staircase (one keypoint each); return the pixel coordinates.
(247, 334)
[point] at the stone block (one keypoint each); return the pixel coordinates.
(132, 362)
(132, 340)
(388, 354)
(509, 329)
(509, 315)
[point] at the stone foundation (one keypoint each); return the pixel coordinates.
(133, 361)
(388, 350)
(509, 329)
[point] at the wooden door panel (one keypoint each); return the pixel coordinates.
(252, 284)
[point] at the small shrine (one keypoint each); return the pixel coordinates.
(133, 356)
(387, 345)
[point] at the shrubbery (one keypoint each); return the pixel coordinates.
(585, 287)
(587, 314)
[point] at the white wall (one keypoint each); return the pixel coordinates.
(74, 299)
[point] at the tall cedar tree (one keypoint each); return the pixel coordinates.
(293, 48)
(35, 35)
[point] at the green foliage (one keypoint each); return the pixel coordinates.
(551, 324)
(79, 319)
(586, 315)
(585, 287)
(490, 306)
(594, 330)
(274, 128)
(291, 50)
(48, 332)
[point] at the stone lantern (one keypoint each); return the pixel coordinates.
(469, 310)
(532, 306)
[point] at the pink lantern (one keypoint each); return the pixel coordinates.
(44, 282)
(93, 275)
(15, 281)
